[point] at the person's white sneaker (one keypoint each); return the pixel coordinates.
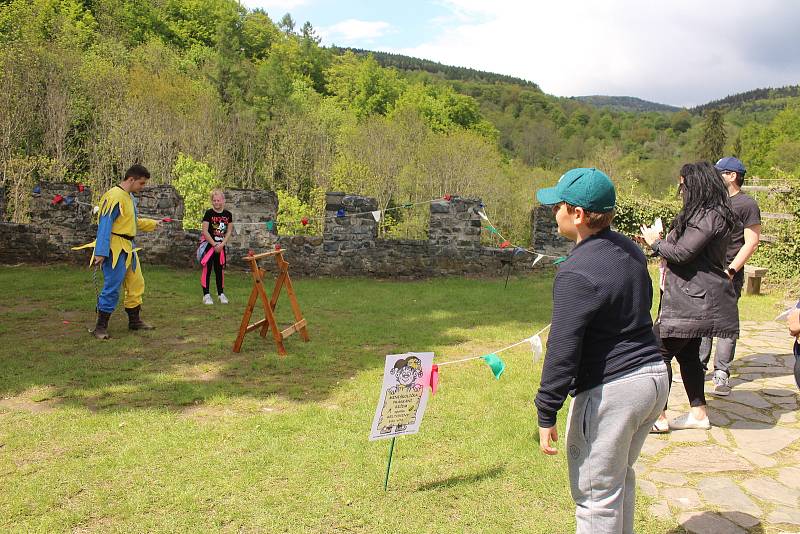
(223, 299)
(207, 299)
(687, 421)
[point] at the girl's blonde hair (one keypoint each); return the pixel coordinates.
(217, 191)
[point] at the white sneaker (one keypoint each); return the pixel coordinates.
(223, 299)
(687, 421)
(207, 299)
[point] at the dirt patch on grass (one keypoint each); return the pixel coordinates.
(17, 404)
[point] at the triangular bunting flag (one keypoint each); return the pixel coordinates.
(495, 364)
(536, 347)
(538, 258)
(377, 215)
(483, 216)
(434, 379)
(270, 225)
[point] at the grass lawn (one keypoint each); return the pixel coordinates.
(171, 431)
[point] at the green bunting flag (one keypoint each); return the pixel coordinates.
(270, 225)
(495, 364)
(492, 229)
(560, 260)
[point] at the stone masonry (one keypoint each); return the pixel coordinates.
(349, 245)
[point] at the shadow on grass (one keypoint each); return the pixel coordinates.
(353, 323)
(459, 480)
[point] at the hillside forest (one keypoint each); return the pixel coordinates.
(206, 92)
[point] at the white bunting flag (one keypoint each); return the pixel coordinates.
(538, 257)
(483, 216)
(377, 215)
(536, 347)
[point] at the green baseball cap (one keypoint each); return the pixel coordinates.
(589, 189)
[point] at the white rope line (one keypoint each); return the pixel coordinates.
(538, 255)
(526, 340)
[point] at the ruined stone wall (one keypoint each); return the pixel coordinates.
(349, 245)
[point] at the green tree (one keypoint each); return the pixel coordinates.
(712, 138)
(194, 181)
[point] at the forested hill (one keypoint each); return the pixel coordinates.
(624, 103)
(408, 63)
(776, 95)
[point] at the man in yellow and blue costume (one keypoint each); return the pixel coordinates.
(115, 251)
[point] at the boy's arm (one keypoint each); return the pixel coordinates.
(574, 306)
(794, 321)
(752, 236)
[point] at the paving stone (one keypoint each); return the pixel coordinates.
(760, 360)
(720, 436)
(776, 370)
(768, 489)
(708, 523)
(666, 477)
(647, 487)
(696, 459)
(759, 460)
(763, 439)
(789, 516)
(691, 435)
(734, 409)
(653, 445)
(788, 476)
(683, 498)
(777, 392)
(718, 418)
(660, 510)
(742, 519)
(749, 398)
(785, 417)
(727, 496)
(780, 381)
(787, 403)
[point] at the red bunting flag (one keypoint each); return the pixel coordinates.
(56, 200)
(448, 197)
(81, 187)
(166, 219)
(434, 379)
(505, 244)
(277, 246)
(304, 221)
(250, 252)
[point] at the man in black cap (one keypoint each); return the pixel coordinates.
(744, 242)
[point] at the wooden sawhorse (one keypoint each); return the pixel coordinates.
(269, 304)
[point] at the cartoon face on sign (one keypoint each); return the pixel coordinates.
(407, 371)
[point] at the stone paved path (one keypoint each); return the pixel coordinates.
(742, 476)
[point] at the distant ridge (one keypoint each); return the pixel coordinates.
(408, 63)
(751, 96)
(624, 103)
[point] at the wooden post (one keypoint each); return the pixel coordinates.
(269, 304)
(752, 279)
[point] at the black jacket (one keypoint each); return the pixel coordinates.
(699, 299)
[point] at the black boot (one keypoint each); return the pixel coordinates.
(134, 322)
(101, 328)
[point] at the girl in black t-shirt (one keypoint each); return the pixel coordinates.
(217, 228)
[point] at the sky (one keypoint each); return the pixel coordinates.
(677, 52)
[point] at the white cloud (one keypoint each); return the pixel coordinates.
(274, 6)
(681, 52)
(351, 31)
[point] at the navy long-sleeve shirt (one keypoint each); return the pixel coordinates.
(601, 327)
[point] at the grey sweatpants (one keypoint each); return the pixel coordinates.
(606, 428)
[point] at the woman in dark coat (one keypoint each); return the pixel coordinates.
(698, 298)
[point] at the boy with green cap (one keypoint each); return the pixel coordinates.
(601, 349)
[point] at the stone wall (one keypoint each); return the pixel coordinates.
(544, 230)
(349, 244)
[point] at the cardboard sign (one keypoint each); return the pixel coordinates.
(404, 395)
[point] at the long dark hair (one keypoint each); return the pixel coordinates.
(703, 189)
